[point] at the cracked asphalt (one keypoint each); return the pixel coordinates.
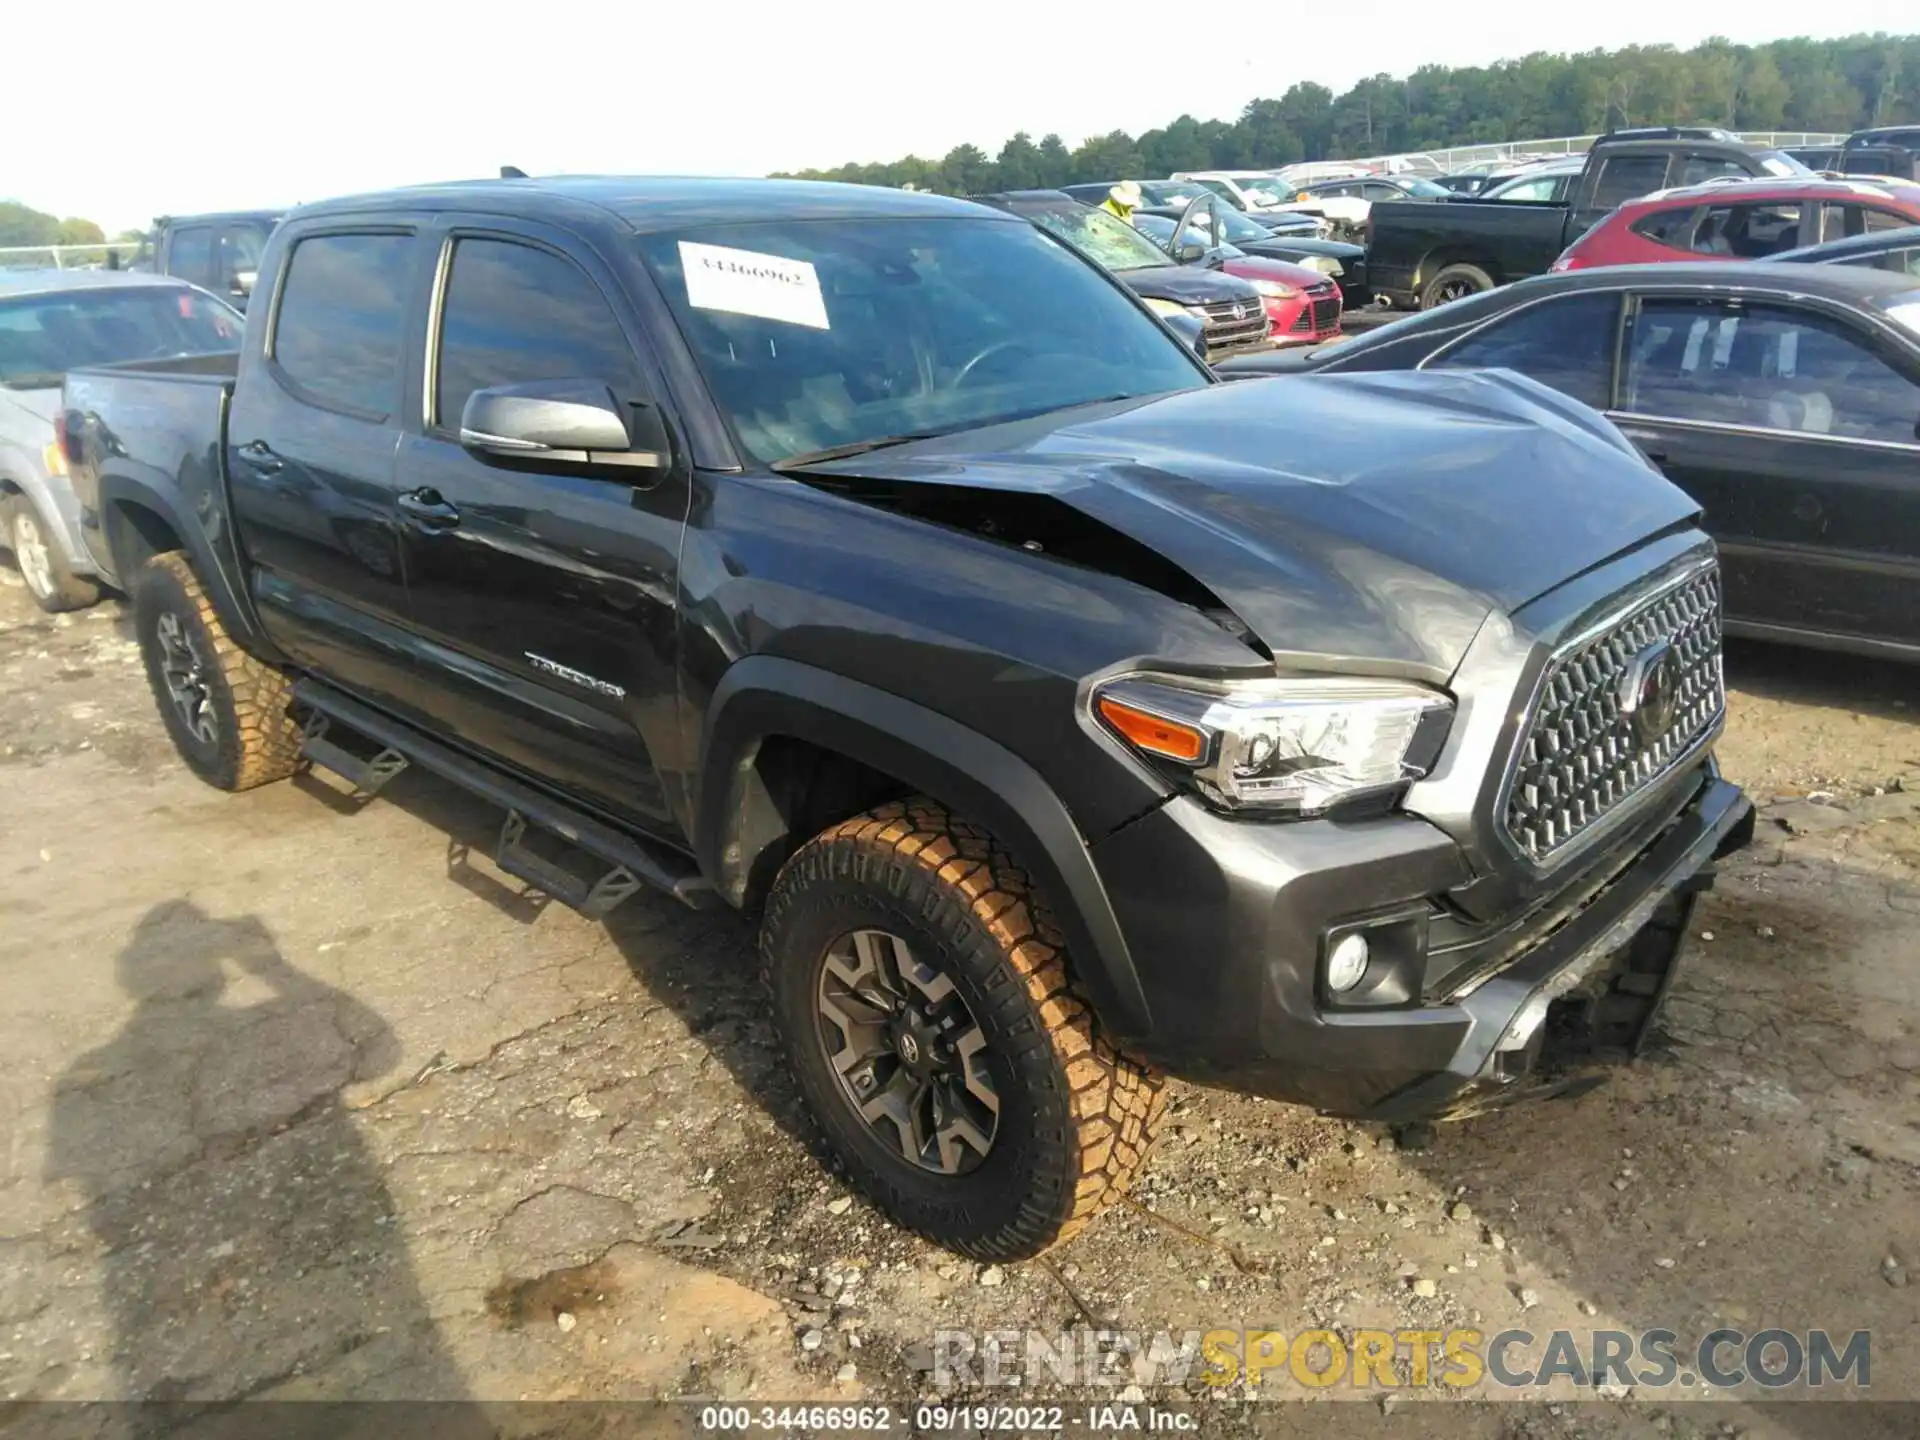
(303, 1099)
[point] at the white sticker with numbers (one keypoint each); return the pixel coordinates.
(745, 282)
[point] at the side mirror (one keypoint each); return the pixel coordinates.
(1189, 252)
(1191, 330)
(242, 285)
(575, 422)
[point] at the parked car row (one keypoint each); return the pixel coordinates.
(1640, 196)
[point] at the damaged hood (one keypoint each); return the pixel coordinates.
(1368, 519)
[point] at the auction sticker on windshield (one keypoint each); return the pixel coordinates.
(745, 282)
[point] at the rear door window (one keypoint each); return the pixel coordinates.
(1766, 367)
(1748, 232)
(342, 310)
(239, 249)
(1567, 343)
(1697, 169)
(1547, 187)
(1628, 177)
(1672, 227)
(1844, 219)
(190, 255)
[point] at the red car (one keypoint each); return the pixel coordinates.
(1303, 304)
(1742, 219)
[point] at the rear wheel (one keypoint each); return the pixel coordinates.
(1455, 282)
(50, 579)
(227, 712)
(922, 992)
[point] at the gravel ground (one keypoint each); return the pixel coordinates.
(306, 1100)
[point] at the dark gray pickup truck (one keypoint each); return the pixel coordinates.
(876, 565)
(1426, 253)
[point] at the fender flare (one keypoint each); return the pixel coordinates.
(763, 696)
(215, 571)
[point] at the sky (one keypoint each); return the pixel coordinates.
(121, 111)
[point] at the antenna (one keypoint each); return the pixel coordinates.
(512, 172)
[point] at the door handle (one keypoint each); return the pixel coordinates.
(429, 509)
(258, 455)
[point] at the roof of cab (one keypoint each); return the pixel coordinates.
(48, 281)
(644, 203)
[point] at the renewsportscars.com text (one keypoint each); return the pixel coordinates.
(1459, 1358)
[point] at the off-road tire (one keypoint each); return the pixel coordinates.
(255, 738)
(58, 589)
(1077, 1118)
(1470, 279)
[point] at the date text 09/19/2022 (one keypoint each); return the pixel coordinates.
(1107, 1417)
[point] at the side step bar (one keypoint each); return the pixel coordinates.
(634, 862)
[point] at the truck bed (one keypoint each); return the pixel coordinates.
(157, 427)
(1411, 240)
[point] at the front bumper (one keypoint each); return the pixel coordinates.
(1225, 922)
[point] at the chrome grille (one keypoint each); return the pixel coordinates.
(1600, 732)
(1233, 323)
(1246, 307)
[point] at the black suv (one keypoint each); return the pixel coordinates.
(873, 563)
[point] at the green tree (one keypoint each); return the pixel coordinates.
(1112, 156)
(1795, 84)
(1019, 163)
(1056, 161)
(1764, 94)
(23, 225)
(1265, 138)
(965, 171)
(81, 232)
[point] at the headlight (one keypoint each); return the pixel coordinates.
(1325, 264)
(1288, 746)
(1165, 307)
(1274, 288)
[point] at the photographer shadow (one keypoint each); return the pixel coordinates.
(248, 1246)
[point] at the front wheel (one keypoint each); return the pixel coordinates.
(1455, 282)
(922, 992)
(227, 712)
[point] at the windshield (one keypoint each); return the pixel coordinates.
(1778, 162)
(1159, 229)
(1425, 189)
(1171, 192)
(815, 334)
(1234, 225)
(1104, 236)
(44, 336)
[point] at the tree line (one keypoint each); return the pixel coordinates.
(1799, 84)
(23, 225)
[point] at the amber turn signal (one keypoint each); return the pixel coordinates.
(1154, 734)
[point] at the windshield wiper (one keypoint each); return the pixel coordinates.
(841, 452)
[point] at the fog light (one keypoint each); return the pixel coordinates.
(1347, 962)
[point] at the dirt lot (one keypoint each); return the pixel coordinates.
(303, 1100)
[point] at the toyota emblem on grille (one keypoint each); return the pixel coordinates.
(1649, 692)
